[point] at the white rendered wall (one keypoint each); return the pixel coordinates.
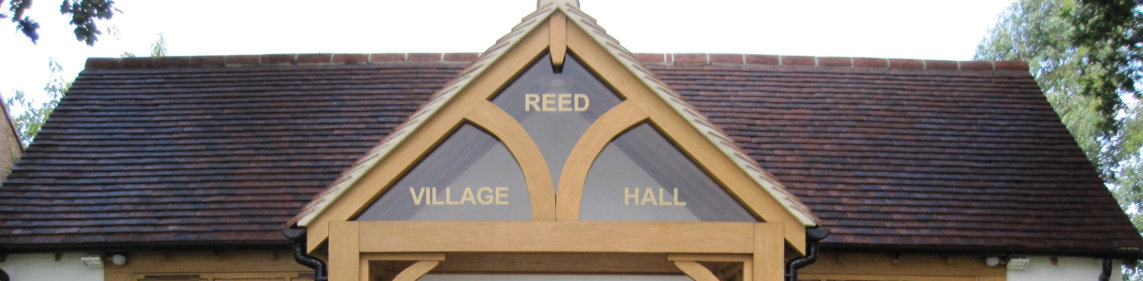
(41, 266)
(1066, 269)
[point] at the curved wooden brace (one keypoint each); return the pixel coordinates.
(695, 270)
(415, 271)
(613, 122)
(536, 174)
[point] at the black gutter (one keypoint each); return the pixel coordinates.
(1106, 274)
(298, 235)
(813, 237)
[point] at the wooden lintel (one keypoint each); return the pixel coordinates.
(557, 263)
(560, 237)
(557, 39)
(708, 257)
(402, 256)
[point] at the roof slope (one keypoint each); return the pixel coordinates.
(896, 154)
(202, 155)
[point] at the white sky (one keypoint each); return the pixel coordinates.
(899, 29)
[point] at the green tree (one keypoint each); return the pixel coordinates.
(33, 114)
(1085, 56)
(83, 14)
(1109, 31)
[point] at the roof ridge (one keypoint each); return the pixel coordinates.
(469, 57)
(816, 61)
(275, 59)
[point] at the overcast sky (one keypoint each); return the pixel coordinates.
(897, 29)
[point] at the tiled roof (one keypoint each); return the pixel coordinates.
(917, 157)
(202, 154)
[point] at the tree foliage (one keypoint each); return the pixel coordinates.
(33, 114)
(83, 15)
(1086, 57)
(1109, 32)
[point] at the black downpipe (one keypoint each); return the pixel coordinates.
(298, 236)
(813, 237)
(1106, 270)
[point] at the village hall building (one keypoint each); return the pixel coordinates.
(556, 154)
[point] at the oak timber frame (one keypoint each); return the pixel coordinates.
(555, 230)
(354, 245)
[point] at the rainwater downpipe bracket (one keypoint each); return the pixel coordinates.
(298, 236)
(814, 237)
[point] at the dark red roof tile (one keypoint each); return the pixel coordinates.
(915, 159)
(887, 153)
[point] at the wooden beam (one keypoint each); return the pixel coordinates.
(557, 263)
(559, 237)
(609, 125)
(415, 271)
(748, 269)
(557, 30)
(708, 257)
(696, 271)
(769, 252)
(538, 177)
(402, 256)
(366, 271)
(344, 261)
(907, 265)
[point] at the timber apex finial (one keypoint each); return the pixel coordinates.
(542, 3)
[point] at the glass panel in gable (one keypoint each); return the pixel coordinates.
(640, 176)
(469, 176)
(556, 108)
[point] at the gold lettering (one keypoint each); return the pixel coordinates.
(649, 196)
(435, 199)
(501, 195)
(677, 202)
(564, 102)
(448, 197)
(531, 101)
(581, 102)
(484, 195)
(556, 102)
(637, 196)
(549, 102)
(467, 197)
(416, 199)
(630, 197)
(662, 199)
